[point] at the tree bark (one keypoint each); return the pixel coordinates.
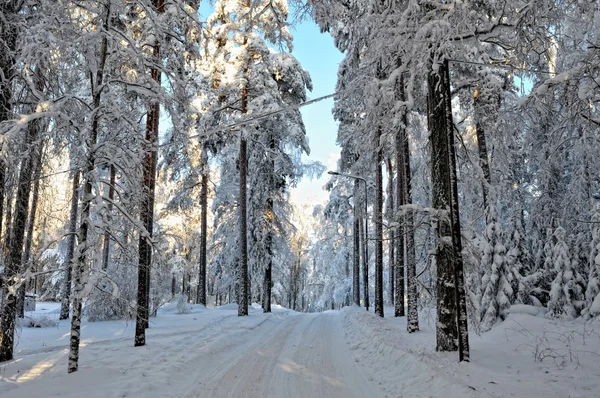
(201, 299)
(412, 321)
(30, 225)
(482, 148)
(12, 279)
(147, 205)
(84, 225)
(356, 251)
(365, 256)
(71, 238)
(111, 198)
(378, 229)
(392, 237)
(243, 276)
(459, 285)
(446, 327)
(399, 309)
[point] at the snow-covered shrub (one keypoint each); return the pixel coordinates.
(112, 298)
(37, 321)
(564, 295)
(182, 304)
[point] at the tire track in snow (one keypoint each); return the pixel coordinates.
(304, 356)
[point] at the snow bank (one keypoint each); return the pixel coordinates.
(525, 356)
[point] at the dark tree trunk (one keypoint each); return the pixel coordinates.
(459, 285)
(2, 193)
(7, 72)
(243, 277)
(147, 205)
(111, 198)
(356, 251)
(482, 147)
(173, 286)
(12, 279)
(30, 226)
(452, 320)
(267, 287)
(446, 330)
(412, 322)
(392, 237)
(201, 299)
(378, 229)
(71, 238)
(365, 256)
(401, 232)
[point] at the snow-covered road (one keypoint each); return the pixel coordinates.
(349, 353)
(303, 356)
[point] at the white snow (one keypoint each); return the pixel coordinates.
(348, 353)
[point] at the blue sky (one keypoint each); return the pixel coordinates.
(320, 58)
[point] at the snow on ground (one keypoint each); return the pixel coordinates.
(525, 356)
(348, 353)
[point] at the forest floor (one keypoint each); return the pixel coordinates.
(347, 353)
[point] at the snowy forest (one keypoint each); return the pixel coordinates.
(148, 150)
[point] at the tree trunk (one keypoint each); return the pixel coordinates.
(399, 304)
(482, 149)
(71, 238)
(459, 285)
(9, 34)
(365, 256)
(356, 251)
(84, 224)
(201, 299)
(30, 226)
(412, 321)
(111, 198)
(392, 238)
(446, 327)
(269, 268)
(12, 279)
(2, 192)
(243, 276)
(378, 229)
(147, 205)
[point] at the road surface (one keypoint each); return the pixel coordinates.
(302, 355)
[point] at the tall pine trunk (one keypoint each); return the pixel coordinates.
(111, 198)
(392, 237)
(446, 327)
(365, 256)
(356, 250)
(201, 295)
(147, 205)
(412, 321)
(452, 332)
(378, 228)
(71, 238)
(31, 226)
(243, 274)
(459, 285)
(12, 279)
(400, 236)
(16, 237)
(482, 148)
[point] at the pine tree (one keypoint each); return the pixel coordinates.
(497, 290)
(562, 293)
(592, 293)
